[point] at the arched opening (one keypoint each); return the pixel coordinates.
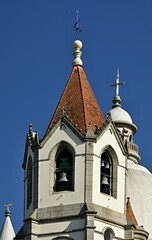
(108, 172)
(64, 172)
(29, 182)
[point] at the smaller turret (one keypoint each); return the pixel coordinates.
(7, 232)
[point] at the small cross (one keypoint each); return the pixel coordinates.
(8, 205)
(117, 84)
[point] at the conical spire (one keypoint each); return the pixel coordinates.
(130, 213)
(78, 100)
(7, 232)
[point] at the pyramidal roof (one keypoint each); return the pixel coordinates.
(7, 232)
(78, 100)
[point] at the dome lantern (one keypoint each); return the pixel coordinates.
(124, 123)
(118, 114)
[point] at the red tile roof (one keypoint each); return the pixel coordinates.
(130, 213)
(79, 103)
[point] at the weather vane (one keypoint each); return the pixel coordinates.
(77, 28)
(117, 83)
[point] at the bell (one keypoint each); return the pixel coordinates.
(102, 164)
(107, 169)
(105, 186)
(107, 166)
(63, 178)
(104, 181)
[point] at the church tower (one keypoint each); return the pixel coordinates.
(75, 177)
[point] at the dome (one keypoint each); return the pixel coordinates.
(118, 114)
(139, 189)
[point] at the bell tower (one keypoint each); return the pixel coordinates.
(74, 177)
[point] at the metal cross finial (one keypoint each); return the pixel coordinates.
(117, 84)
(8, 205)
(77, 28)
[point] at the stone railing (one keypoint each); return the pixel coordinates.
(133, 151)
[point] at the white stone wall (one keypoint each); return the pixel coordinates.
(47, 197)
(53, 206)
(101, 226)
(73, 229)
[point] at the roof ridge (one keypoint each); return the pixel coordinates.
(85, 101)
(82, 98)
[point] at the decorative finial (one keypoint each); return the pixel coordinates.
(62, 111)
(30, 128)
(117, 99)
(7, 205)
(77, 43)
(128, 199)
(77, 53)
(30, 134)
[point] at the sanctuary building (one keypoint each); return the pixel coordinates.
(83, 180)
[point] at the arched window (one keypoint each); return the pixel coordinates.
(106, 173)
(64, 173)
(29, 182)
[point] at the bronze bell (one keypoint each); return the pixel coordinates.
(107, 166)
(102, 164)
(104, 181)
(105, 186)
(63, 178)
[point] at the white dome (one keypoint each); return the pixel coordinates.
(118, 114)
(139, 189)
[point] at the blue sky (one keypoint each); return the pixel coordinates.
(36, 54)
